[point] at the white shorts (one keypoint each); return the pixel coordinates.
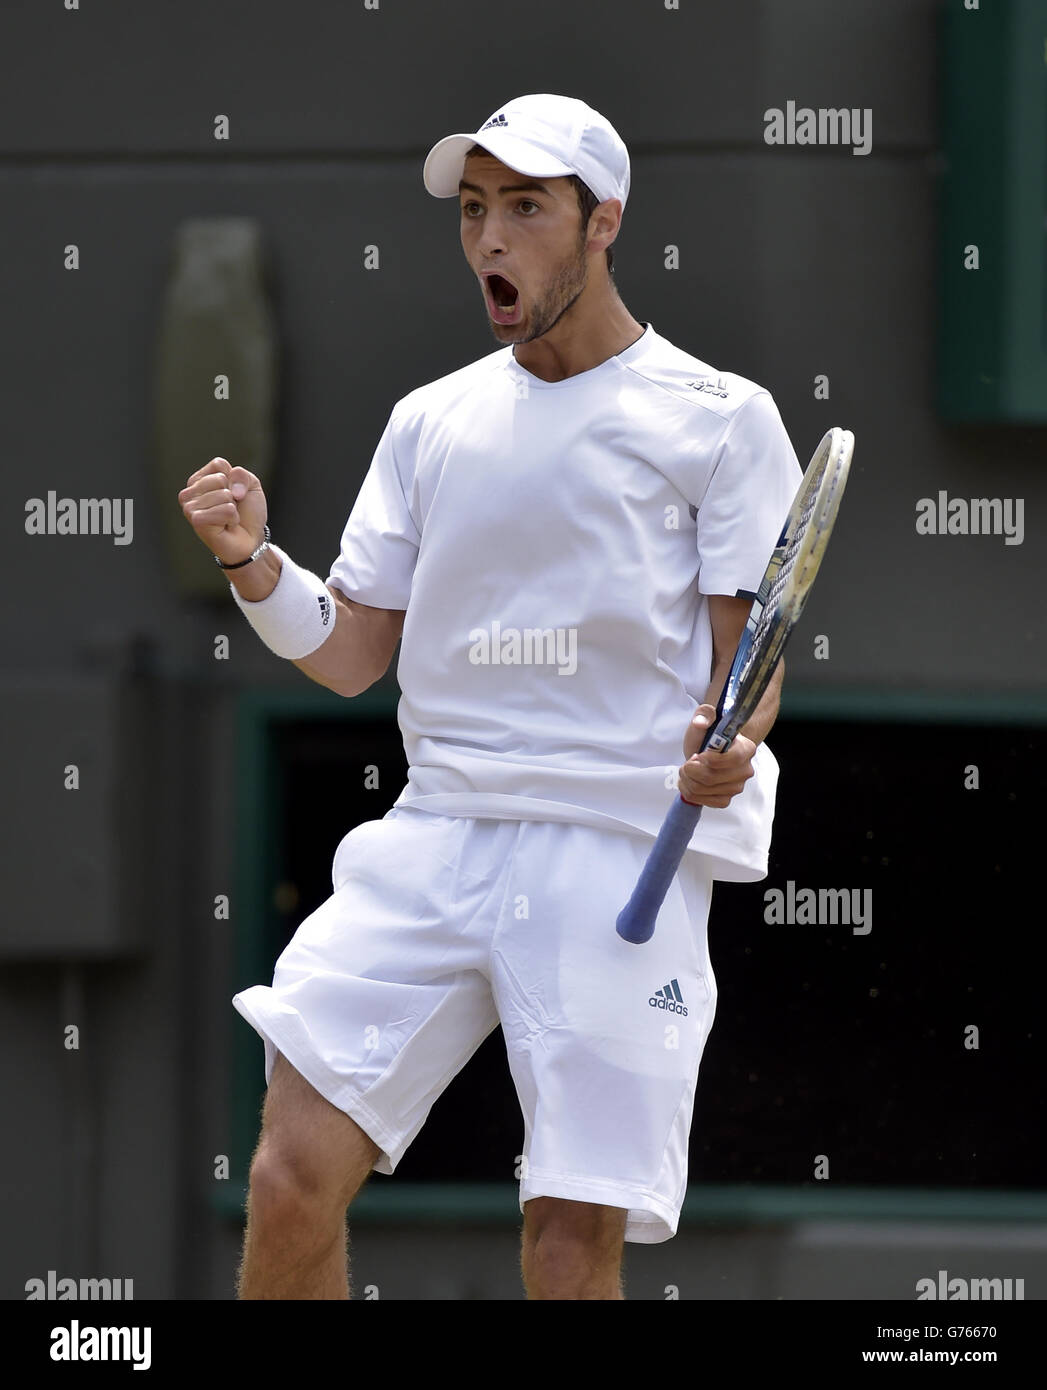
(442, 927)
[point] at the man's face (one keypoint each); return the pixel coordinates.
(523, 238)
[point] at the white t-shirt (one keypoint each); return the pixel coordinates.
(552, 544)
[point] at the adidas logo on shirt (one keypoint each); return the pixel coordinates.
(668, 998)
(705, 383)
(495, 120)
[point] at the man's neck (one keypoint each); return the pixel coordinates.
(581, 341)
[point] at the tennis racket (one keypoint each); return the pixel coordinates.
(775, 612)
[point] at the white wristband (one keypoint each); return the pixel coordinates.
(297, 617)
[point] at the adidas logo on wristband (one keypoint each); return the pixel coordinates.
(325, 607)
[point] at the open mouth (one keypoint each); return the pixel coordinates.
(503, 299)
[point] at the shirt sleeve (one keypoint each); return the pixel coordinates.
(379, 548)
(747, 500)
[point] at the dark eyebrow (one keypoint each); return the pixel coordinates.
(509, 188)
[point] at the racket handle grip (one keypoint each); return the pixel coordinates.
(637, 918)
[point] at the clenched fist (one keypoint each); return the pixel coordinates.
(226, 508)
(710, 778)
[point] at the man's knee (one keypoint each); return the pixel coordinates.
(585, 1222)
(275, 1196)
(311, 1157)
(572, 1245)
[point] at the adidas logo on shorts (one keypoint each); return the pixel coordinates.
(668, 998)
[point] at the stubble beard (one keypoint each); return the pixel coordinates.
(561, 292)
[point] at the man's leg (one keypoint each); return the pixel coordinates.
(604, 1049)
(310, 1162)
(572, 1250)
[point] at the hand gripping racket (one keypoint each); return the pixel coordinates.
(775, 612)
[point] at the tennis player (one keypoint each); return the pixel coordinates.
(567, 534)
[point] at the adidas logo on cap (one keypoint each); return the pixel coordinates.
(668, 998)
(495, 120)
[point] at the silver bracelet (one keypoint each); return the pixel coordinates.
(240, 563)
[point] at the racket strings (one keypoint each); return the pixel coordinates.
(770, 619)
(811, 521)
(823, 498)
(792, 549)
(785, 569)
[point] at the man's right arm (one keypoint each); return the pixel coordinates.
(226, 508)
(359, 650)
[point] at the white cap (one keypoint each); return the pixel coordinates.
(543, 136)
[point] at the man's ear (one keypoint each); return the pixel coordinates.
(604, 223)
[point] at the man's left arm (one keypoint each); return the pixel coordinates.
(710, 778)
